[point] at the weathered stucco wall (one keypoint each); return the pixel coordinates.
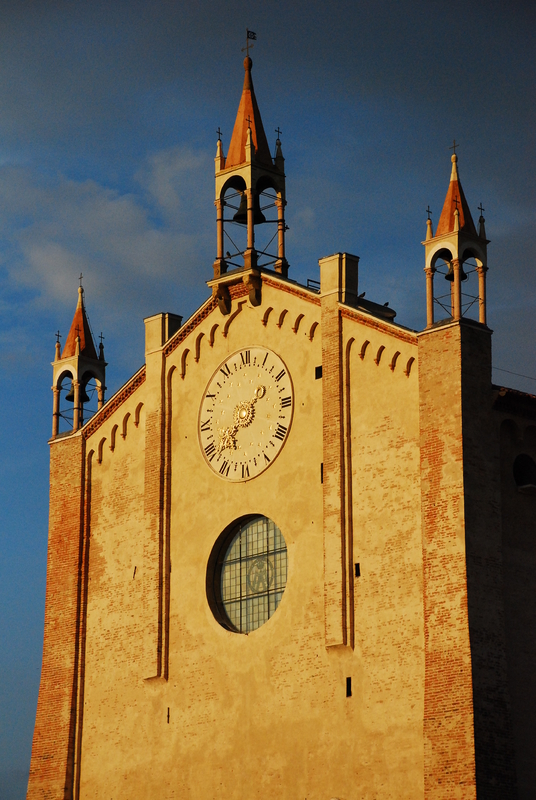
(251, 714)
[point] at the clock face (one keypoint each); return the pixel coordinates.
(245, 414)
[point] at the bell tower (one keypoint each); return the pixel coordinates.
(78, 366)
(248, 182)
(455, 241)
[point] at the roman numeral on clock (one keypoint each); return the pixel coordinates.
(285, 403)
(205, 426)
(245, 471)
(210, 451)
(225, 467)
(278, 377)
(225, 371)
(245, 356)
(280, 432)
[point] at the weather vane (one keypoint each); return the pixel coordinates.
(250, 36)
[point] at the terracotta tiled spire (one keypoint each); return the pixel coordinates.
(455, 193)
(80, 327)
(248, 108)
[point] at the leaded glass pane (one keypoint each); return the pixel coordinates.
(253, 574)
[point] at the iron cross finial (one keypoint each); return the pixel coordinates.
(454, 146)
(80, 279)
(278, 131)
(456, 200)
(219, 133)
(481, 209)
(248, 120)
(78, 331)
(429, 211)
(58, 336)
(101, 337)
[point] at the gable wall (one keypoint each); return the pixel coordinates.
(248, 714)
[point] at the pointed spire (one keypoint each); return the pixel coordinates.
(80, 340)
(220, 156)
(481, 221)
(455, 201)
(279, 161)
(248, 117)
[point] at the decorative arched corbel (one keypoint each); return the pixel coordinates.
(124, 426)
(394, 359)
(407, 369)
(266, 315)
(198, 346)
(184, 357)
(100, 449)
(112, 437)
(297, 323)
(282, 317)
(137, 414)
(312, 330)
(379, 355)
(232, 318)
(363, 349)
(212, 334)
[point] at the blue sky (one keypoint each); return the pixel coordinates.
(108, 118)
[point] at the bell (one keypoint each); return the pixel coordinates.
(450, 274)
(70, 396)
(241, 215)
(84, 397)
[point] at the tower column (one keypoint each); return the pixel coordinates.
(429, 296)
(251, 229)
(219, 229)
(55, 411)
(281, 263)
(100, 396)
(481, 270)
(456, 290)
(76, 405)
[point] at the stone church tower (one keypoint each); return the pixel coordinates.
(294, 555)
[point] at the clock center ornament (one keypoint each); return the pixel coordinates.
(246, 413)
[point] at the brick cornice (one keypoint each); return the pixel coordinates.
(410, 337)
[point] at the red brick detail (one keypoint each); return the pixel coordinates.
(370, 322)
(304, 294)
(449, 752)
(51, 770)
(334, 475)
(237, 290)
(204, 312)
(114, 403)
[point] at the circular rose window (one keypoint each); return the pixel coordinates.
(247, 574)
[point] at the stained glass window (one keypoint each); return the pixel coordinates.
(252, 574)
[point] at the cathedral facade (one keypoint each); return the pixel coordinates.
(294, 555)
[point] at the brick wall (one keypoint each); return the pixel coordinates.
(51, 771)
(468, 742)
(449, 756)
